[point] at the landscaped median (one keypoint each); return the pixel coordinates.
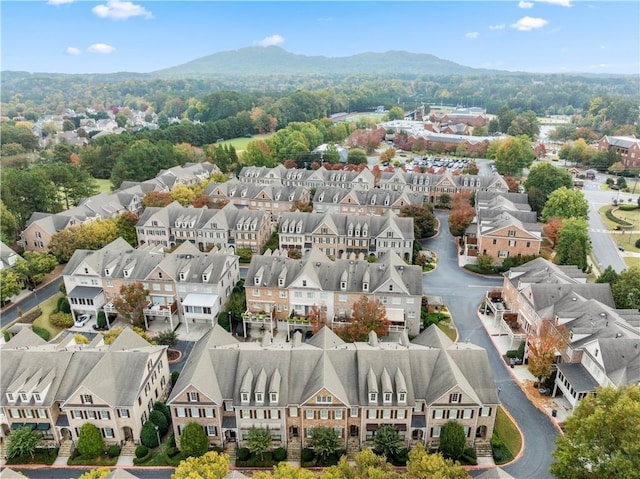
(507, 440)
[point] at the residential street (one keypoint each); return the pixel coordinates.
(30, 301)
(462, 292)
(604, 249)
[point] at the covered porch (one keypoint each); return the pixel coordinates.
(574, 381)
(200, 307)
(85, 300)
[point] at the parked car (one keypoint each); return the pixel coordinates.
(82, 320)
(544, 391)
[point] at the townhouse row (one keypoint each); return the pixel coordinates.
(55, 388)
(291, 388)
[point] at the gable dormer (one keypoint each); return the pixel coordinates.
(343, 280)
(282, 277)
(128, 269)
(372, 387)
(285, 226)
(257, 279)
(365, 281)
(401, 387)
(245, 387)
(387, 388)
(261, 386)
(274, 387)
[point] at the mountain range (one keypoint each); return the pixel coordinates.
(275, 60)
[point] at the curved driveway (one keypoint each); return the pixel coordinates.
(462, 292)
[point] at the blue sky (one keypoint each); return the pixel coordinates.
(550, 36)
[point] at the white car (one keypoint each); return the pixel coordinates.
(82, 320)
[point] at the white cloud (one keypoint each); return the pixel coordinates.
(270, 41)
(73, 51)
(501, 26)
(523, 4)
(59, 2)
(117, 10)
(562, 3)
(526, 24)
(472, 35)
(102, 48)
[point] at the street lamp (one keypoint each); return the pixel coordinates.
(157, 433)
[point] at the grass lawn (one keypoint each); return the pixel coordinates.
(508, 432)
(101, 460)
(624, 239)
(240, 144)
(104, 186)
(43, 320)
(446, 326)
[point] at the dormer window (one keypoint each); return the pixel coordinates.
(365, 286)
(37, 397)
(281, 282)
(244, 398)
(182, 276)
(126, 273)
(256, 281)
(259, 398)
(24, 397)
(107, 272)
(387, 398)
(343, 285)
(205, 277)
(11, 397)
(402, 398)
(273, 398)
(373, 397)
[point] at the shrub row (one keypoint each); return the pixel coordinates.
(43, 333)
(610, 216)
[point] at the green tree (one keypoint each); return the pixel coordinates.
(609, 275)
(121, 119)
(90, 442)
(142, 160)
(211, 465)
(512, 154)
(164, 409)
(193, 440)
(148, 434)
(22, 441)
(387, 441)
(285, 470)
(452, 440)
(10, 284)
(8, 225)
(395, 113)
(96, 473)
(626, 290)
(132, 302)
(367, 465)
(573, 243)
(356, 156)
(545, 178)
(259, 441)
(565, 203)
(324, 441)
(601, 437)
(422, 465)
(35, 265)
(26, 191)
(168, 337)
(159, 419)
(424, 221)
(525, 124)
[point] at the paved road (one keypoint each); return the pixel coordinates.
(462, 292)
(604, 249)
(69, 472)
(30, 301)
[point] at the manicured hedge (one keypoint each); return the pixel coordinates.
(43, 333)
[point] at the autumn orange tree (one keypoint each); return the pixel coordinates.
(542, 350)
(552, 229)
(369, 314)
(318, 318)
(157, 199)
(462, 213)
(132, 302)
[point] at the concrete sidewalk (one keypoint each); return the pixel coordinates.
(521, 374)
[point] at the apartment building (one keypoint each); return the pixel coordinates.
(627, 146)
(336, 234)
(280, 288)
(128, 198)
(272, 198)
(185, 286)
(55, 388)
(320, 178)
(417, 386)
(375, 202)
(207, 228)
(504, 227)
